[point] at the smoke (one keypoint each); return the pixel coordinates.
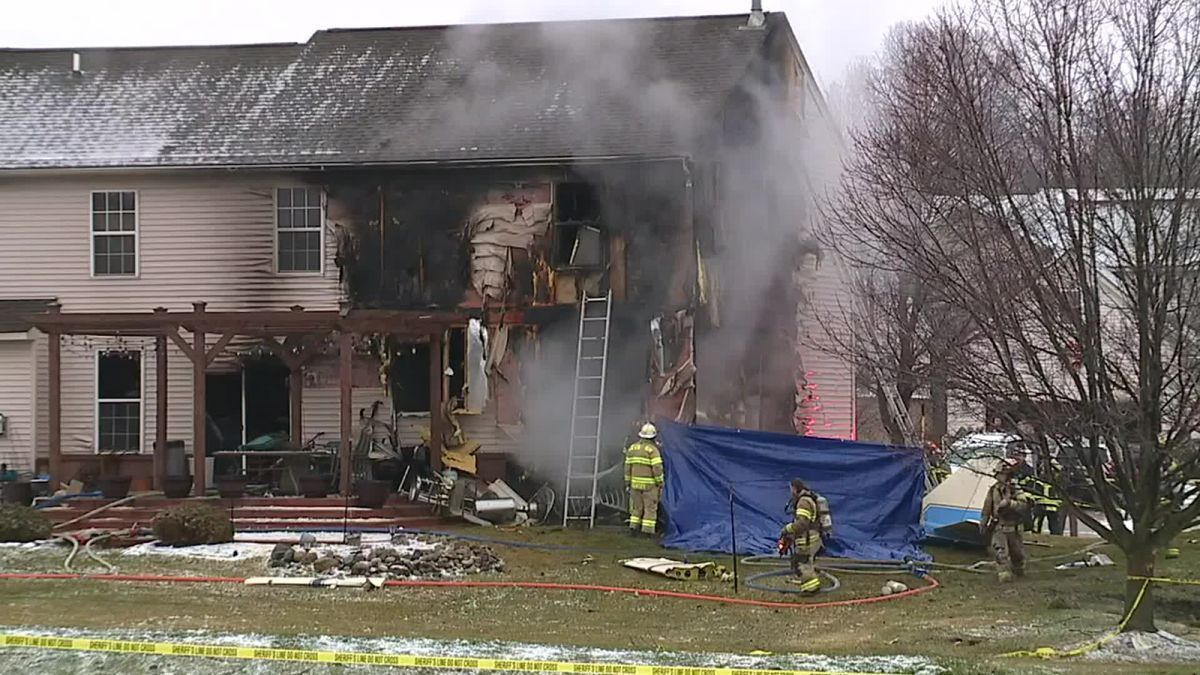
(754, 171)
(603, 81)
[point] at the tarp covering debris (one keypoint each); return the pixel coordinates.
(874, 492)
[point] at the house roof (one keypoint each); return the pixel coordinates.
(628, 87)
(15, 315)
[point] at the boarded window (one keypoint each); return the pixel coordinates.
(119, 401)
(298, 230)
(114, 234)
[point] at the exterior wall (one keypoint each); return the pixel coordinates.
(826, 390)
(826, 402)
(17, 398)
(201, 237)
(322, 410)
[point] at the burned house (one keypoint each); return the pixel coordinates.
(447, 196)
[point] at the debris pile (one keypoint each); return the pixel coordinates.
(444, 559)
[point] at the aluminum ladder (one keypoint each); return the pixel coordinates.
(587, 410)
(898, 411)
(896, 407)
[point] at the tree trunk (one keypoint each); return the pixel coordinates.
(1139, 563)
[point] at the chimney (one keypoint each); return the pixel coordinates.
(76, 64)
(757, 17)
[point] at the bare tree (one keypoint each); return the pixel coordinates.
(898, 330)
(1036, 164)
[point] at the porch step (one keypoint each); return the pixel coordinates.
(285, 524)
(60, 514)
(256, 513)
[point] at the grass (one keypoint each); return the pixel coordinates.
(965, 624)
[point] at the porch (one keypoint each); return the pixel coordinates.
(296, 337)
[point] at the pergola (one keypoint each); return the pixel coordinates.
(303, 332)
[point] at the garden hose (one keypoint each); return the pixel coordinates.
(74, 549)
(753, 582)
(87, 548)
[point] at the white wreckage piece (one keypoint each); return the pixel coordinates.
(675, 569)
(497, 504)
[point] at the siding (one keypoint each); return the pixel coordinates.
(322, 410)
(201, 237)
(16, 403)
(833, 375)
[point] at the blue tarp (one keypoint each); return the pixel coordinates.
(874, 491)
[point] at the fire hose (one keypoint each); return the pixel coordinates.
(527, 585)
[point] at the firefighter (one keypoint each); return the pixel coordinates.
(1045, 505)
(644, 480)
(802, 537)
(1004, 511)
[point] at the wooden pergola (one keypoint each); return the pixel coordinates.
(303, 332)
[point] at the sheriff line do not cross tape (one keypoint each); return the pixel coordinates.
(86, 644)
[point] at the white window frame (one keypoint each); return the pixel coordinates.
(137, 235)
(96, 401)
(320, 271)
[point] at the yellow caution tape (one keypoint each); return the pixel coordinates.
(1051, 653)
(86, 644)
(1166, 580)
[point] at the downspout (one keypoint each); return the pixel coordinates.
(689, 211)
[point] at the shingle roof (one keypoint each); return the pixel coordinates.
(482, 92)
(15, 314)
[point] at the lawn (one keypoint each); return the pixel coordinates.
(966, 623)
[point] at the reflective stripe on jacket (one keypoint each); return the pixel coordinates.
(805, 516)
(643, 465)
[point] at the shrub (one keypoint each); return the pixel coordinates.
(22, 523)
(192, 524)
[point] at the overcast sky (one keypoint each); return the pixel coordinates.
(833, 33)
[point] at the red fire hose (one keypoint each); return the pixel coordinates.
(931, 584)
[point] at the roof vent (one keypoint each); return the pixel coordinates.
(76, 64)
(757, 17)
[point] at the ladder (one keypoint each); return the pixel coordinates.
(587, 409)
(896, 408)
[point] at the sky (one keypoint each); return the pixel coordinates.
(832, 33)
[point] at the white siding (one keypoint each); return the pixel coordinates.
(322, 410)
(202, 237)
(832, 374)
(16, 403)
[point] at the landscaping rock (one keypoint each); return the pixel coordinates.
(281, 556)
(434, 560)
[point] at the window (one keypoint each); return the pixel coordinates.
(579, 238)
(298, 230)
(114, 234)
(119, 401)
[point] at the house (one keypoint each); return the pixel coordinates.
(244, 239)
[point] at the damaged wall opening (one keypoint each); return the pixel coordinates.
(579, 236)
(409, 378)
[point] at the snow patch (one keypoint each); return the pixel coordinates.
(1139, 647)
(912, 665)
(231, 551)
